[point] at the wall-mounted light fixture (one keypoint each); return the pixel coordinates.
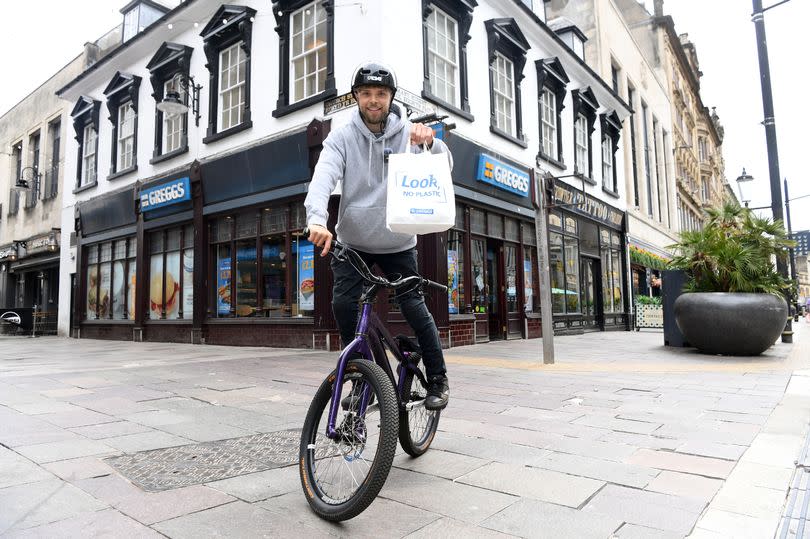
(28, 179)
(172, 104)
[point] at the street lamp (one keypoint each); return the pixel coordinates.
(172, 104)
(743, 179)
(758, 19)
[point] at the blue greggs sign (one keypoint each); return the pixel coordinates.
(166, 194)
(502, 176)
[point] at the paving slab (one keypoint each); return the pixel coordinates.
(452, 499)
(534, 518)
(535, 483)
(634, 531)
(32, 504)
(448, 527)
(81, 468)
(260, 485)
(685, 485)
(151, 507)
(17, 470)
(660, 511)
(97, 524)
(66, 449)
(619, 473)
(439, 463)
(109, 430)
(667, 460)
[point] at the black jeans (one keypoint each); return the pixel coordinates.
(349, 286)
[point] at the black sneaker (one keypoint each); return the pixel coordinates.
(438, 392)
(351, 402)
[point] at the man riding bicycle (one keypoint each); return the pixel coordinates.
(356, 153)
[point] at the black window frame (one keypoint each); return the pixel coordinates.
(229, 25)
(84, 113)
(462, 12)
(551, 76)
(170, 60)
(50, 185)
(122, 89)
(35, 149)
(282, 9)
(504, 36)
(585, 103)
(631, 93)
(610, 125)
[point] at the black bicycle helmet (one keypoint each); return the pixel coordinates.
(376, 74)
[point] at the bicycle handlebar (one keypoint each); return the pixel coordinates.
(345, 253)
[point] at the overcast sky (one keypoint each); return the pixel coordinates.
(41, 36)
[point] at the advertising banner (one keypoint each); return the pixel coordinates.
(224, 286)
(452, 282)
(527, 285)
(306, 276)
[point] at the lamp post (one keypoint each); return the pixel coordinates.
(770, 137)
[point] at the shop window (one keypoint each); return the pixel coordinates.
(306, 56)
(511, 229)
(455, 272)
(122, 104)
(460, 217)
(263, 263)
(564, 267)
(612, 282)
(507, 57)
(495, 225)
(110, 280)
(227, 39)
(572, 300)
(531, 281)
(171, 273)
(585, 106)
(85, 123)
(479, 290)
(446, 31)
(557, 267)
(554, 219)
(551, 82)
(478, 222)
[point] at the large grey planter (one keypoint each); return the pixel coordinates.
(731, 324)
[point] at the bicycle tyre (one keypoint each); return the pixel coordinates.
(321, 496)
(417, 426)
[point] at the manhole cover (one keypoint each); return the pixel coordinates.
(174, 467)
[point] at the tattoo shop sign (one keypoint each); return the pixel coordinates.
(587, 205)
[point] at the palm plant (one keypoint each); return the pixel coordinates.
(733, 252)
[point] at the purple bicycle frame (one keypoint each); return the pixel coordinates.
(368, 341)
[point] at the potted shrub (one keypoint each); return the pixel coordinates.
(735, 303)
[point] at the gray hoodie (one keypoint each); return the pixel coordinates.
(354, 154)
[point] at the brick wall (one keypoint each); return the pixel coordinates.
(118, 332)
(274, 335)
(462, 332)
(535, 327)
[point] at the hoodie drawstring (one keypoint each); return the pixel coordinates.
(370, 146)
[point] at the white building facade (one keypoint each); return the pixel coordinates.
(188, 226)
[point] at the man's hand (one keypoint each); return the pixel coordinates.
(321, 237)
(421, 134)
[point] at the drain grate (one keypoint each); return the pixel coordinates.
(796, 514)
(174, 467)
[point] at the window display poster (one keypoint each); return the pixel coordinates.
(306, 276)
(92, 291)
(118, 293)
(452, 281)
(172, 293)
(131, 293)
(224, 285)
(104, 291)
(527, 285)
(188, 283)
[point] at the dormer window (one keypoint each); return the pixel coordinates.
(572, 36)
(140, 14)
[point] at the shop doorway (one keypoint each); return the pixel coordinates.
(480, 296)
(514, 315)
(496, 289)
(590, 272)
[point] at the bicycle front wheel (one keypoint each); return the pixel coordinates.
(342, 477)
(417, 425)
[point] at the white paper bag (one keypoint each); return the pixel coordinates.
(420, 193)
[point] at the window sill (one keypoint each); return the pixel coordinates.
(541, 156)
(108, 322)
(304, 103)
(122, 173)
(175, 321)
(445, 105)
(304, 320)
(610, 192)
(167, 156)
(519, 141)
(85, 187)
(532, 315)
(228, 132)
(462, 317)
(586, 179)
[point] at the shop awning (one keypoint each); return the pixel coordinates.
(26, 264)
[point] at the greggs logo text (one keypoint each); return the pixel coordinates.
(165, 195)
(502, 176)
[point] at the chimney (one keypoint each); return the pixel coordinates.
(658, 8)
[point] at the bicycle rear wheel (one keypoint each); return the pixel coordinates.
(342, 477)
(417, 425)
